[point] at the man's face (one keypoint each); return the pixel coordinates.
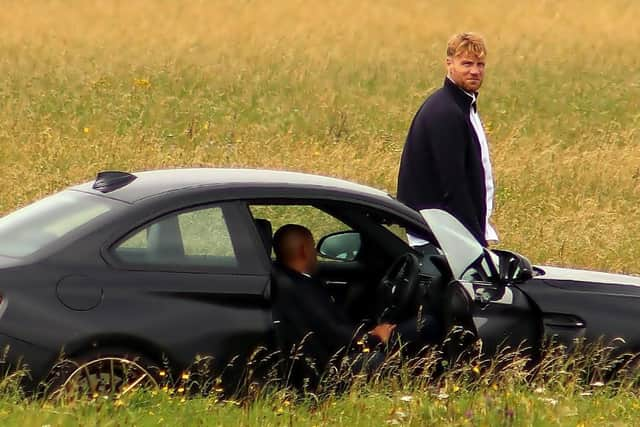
(466, 70)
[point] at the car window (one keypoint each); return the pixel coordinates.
(36, 226)
(196, 238)
(398, 230)
(319, 222)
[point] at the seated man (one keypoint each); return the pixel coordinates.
(312, 322)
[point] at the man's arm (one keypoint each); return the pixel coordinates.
(449, 141)
(383, 331)
(333, 327)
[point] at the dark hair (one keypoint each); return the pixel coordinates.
(283, 233)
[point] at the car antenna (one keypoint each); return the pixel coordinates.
(108, 181)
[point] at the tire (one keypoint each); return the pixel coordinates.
(105, 374)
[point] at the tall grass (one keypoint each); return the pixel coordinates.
(331, 88)
(577, 389)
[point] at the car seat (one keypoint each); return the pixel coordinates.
(165, 241)
(265, 230)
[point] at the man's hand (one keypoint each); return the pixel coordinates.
(383, 331)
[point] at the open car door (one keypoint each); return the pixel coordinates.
(478, 299)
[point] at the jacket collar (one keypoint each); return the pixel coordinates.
(293, 272)
(464, 99)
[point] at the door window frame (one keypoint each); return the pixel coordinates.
(323, 204)
(236, 220)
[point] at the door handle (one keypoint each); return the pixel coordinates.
(563, 321)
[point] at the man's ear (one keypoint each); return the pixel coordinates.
(448, 62)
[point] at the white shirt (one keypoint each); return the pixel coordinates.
(490, 233)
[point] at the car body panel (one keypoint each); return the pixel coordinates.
(503, 323)
(578, 304)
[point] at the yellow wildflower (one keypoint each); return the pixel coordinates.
(142, 83)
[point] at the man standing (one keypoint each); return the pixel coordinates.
(445, 162)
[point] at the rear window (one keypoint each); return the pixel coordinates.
(196, 238)
(35, 226)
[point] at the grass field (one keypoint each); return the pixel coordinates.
(562, 392)
(474, 408)
(330, 87)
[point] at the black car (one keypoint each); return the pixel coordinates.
(172, 265)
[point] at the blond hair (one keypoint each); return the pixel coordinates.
(466, 43)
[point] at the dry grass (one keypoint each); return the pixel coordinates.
(331, 88)
(576, 390)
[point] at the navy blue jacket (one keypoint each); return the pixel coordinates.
(309, 321)
(441, 164)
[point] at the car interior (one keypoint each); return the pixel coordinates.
(382, 279)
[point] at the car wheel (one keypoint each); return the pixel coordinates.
(106, 376)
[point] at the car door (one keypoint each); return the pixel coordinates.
(499, 313)
(190, 284)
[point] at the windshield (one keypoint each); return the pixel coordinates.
(457, 243)
(35, 226)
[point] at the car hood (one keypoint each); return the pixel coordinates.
(585, 276)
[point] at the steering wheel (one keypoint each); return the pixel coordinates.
(397, 288)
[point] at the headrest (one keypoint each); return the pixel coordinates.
(266, 233)
(164, 238)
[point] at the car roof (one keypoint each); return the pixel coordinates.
(157, 182)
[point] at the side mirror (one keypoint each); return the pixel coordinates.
(340, 246)
(514, 268)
